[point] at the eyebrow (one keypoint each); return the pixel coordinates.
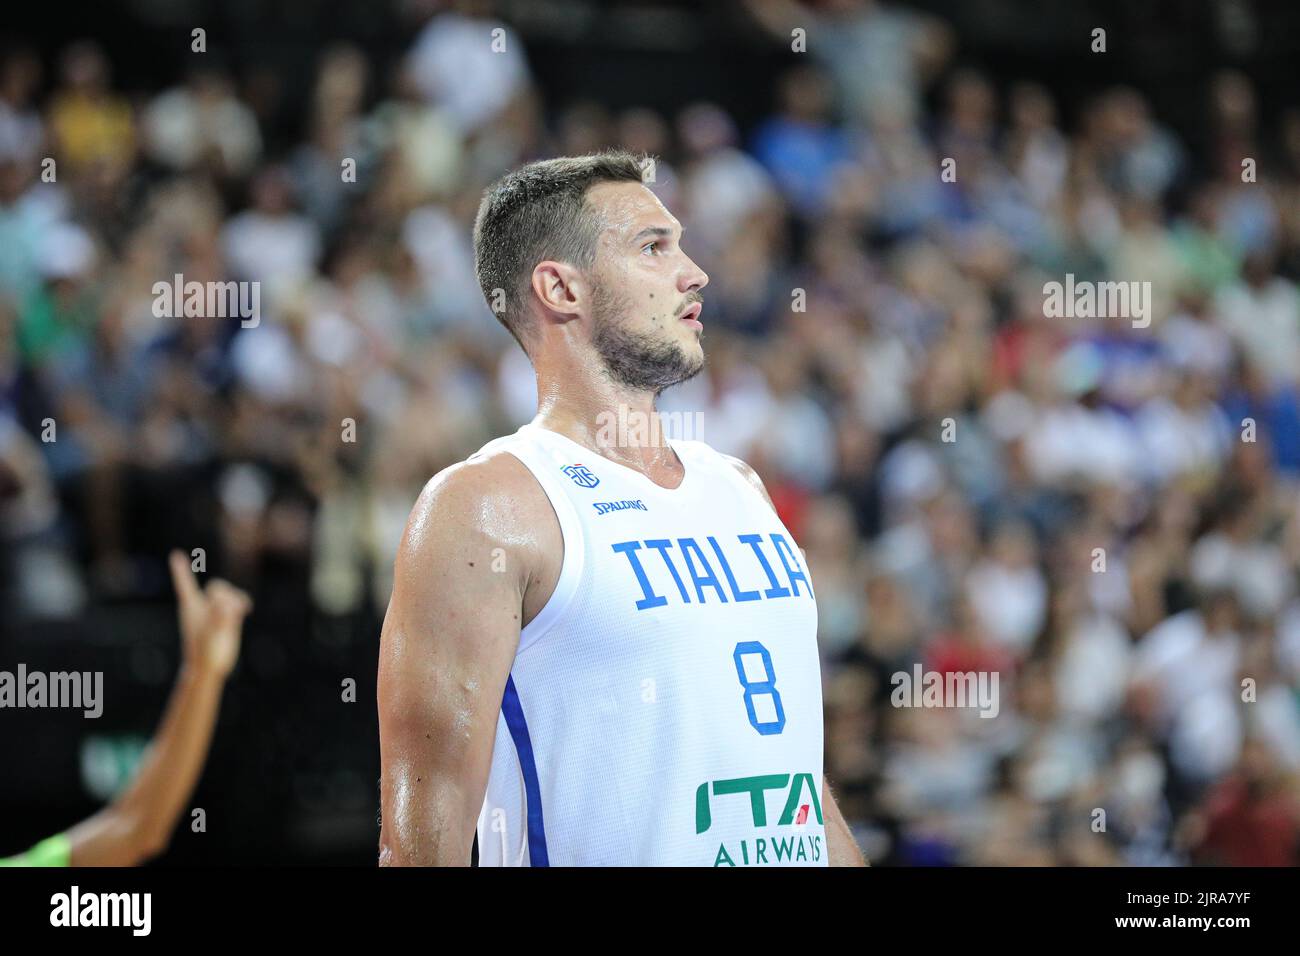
(660, 231)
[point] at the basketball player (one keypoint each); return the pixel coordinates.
(138, 824)
(601, 645)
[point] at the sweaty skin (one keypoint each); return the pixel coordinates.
(482, 549)
(480, 557)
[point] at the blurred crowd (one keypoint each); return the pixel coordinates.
(1107, 516)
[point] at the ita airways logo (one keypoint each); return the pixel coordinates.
(750, 837)
(582, 476)
(755, 788)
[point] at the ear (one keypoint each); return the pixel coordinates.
(560, 288)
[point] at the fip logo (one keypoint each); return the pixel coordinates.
(582, 476)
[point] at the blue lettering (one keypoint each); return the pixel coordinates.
(775, 591)
(651, 599)
(605, 507)
(795, 575)
(662, 545)
(738, 594)
(710, 579)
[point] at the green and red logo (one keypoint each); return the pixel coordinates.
(794, 812)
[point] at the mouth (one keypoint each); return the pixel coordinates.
(692, 315)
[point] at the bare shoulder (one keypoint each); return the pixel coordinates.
(480, 490)
(750, 475)
(489, 500)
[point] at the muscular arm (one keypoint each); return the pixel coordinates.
(842, 849)
(840, 845)
(138, 824)
(467, 566)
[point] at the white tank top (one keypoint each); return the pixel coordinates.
(664, 707)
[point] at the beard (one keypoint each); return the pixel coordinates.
(637, 360)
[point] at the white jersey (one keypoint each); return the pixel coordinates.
(664, 707)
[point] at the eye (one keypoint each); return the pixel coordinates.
(651, 245)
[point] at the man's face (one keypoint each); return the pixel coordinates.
(647, 296)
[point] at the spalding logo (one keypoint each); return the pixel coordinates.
(605, 507)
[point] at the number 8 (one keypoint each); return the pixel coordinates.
(759, 687)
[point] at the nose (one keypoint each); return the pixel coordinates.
(693, 278)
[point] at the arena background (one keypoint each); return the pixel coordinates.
(816, 170)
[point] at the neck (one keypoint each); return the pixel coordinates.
(616, 421)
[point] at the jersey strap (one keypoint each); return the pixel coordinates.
(545, 462)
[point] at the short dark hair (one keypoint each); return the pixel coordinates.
(540, 211)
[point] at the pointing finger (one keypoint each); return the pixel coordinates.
(183, 580)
